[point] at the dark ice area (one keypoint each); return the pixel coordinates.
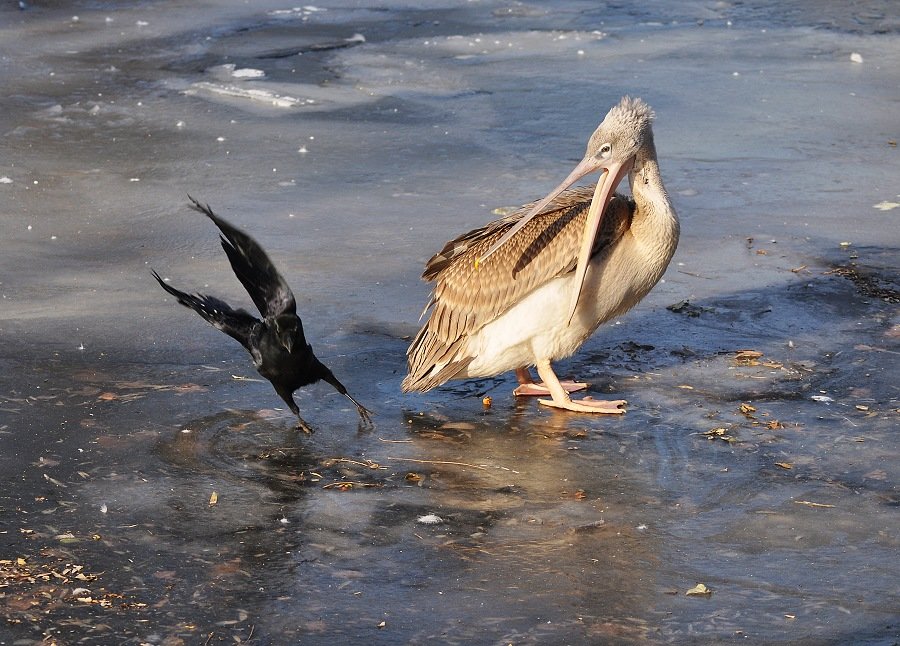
(154, 489)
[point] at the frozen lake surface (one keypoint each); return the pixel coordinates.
(151, 490)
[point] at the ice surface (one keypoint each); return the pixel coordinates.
(354, 141)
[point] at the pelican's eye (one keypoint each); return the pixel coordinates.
(604, 151)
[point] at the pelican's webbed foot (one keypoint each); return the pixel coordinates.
(587, 405)
(562, 400)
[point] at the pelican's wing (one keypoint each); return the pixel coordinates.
(269, 291)
(465, 298)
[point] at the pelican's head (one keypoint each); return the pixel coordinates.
(619, 137)
(613, 147)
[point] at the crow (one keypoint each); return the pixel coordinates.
(276, 343)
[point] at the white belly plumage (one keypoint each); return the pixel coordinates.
(535, 327)
(538, 328)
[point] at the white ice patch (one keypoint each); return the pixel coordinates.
(248, 73)
(296, 12)
(282, 95)
(263, 96)
(429, 519)
(230, 71)
(885, 205)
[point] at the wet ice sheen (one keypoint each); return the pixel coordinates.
(361, 141)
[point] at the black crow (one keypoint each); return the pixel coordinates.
(276, 343)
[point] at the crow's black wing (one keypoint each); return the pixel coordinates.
(269, 291)
(237, 324)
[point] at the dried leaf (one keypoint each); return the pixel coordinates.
(813, 504)
(347, 485)
(719, 434)
(213, 499)
(747, 357)
(699, 590)
(487, 401)
(747, 409)
(784, 465)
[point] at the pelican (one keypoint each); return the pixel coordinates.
(530, 288)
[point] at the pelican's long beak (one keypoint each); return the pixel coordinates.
(585, 166)
(606, 185)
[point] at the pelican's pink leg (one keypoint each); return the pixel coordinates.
(527, 387)
(562, 400)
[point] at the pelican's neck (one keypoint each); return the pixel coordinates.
(654, 224)
(654, 216)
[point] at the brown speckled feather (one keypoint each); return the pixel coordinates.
(465, 298)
